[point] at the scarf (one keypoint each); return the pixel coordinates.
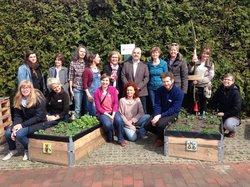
(33, 68)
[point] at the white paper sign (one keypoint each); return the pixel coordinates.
(126, 49)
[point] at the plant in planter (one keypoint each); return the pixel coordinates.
(192, 123)
(72, 128)
(66, 143)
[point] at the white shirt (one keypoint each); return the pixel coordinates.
(135, 65)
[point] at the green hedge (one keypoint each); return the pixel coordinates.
(59, 26)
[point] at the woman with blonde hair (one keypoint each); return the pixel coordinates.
(113, 69)
(57, 102)
(178, 67)
(29, 111)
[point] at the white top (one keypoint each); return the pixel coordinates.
(135, 65)
(200, 70)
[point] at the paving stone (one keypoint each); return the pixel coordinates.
(140, 152)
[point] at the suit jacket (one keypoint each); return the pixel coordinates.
(141, 76)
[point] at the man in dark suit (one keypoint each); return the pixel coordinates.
(137, 71)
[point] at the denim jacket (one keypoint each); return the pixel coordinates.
(24, 73)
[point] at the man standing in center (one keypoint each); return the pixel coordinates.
(137, 71)
(168, 101)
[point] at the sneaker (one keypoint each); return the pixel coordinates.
(123, 143)
(10, 154)
(144, 136)
(26, 155)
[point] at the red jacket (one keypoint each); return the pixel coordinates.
(87, 78)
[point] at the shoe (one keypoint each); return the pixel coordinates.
(159, 143)
(231, 134)
(123, 143)
(202, 115)
(10, 154)
(144, 136)
(26, 155)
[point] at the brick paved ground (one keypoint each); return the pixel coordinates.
(157, 175)
(138, 164)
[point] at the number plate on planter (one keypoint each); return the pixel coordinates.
(191, 145)
(47, 148)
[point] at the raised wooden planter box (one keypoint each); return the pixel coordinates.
(5, 117)
(64, 150)
(194, 145)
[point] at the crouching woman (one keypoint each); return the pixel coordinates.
(132, 112)
(57, 102)
(29, 110)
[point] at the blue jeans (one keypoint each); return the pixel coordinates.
(78, 99)
(21, 136)
(96, 83)
(109, 125)
(151, 94)
(131, 134)
(90, 107)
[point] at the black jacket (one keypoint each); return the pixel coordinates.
(33, 117)
(58, 104)
(180, 71)
(227, 100)
(119, 85)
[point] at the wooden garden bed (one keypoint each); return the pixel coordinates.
(193, 145)
(64, 150)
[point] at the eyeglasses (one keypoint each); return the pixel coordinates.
(25, 88)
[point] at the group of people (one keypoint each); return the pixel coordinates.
(117, 94)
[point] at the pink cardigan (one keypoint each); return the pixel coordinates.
(97, 98)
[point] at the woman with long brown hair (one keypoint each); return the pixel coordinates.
(31, 70)
(76, 69)
(91, 81)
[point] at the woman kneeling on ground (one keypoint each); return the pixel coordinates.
(132, 112)
(29, 110)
